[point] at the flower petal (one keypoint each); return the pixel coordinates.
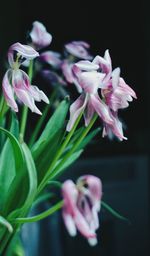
(75, 110)
(52, 58)
(78, 49)
(86, 65)
(40, 37)
(8, 92)
(102, 109)
(37, 94)
(24, 51)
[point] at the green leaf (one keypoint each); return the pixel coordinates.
(88, 138)
(6, 224)
(31, 180)
(65, 165)
(113, 212)
(55, 124)
(23, 188)
(11, 162)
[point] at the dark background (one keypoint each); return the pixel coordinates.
(123, 28)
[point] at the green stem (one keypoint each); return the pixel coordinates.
(25, 108)
(42, 118)
(42, 215)
(3, 108)
(85, 132)
(59, 153)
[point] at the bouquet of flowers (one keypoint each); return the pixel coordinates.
(34, 152)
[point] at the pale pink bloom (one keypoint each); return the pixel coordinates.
(17, 81)
(78, 49)
(81, 206)
(52, 58)
(118, 94)
(89, 102)
(39, 36)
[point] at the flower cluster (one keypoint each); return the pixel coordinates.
(102, 92)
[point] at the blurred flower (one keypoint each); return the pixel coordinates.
(17, 81)
(81, 206)
(39, 36)
(78, 49)
(74, 50)
(52, 58)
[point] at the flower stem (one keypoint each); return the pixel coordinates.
(83, 135)
(25, 108)
(59, 153)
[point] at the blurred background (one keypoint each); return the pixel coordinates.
(124, 29)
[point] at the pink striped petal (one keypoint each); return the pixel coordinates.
(37, 94)
(75, 110)
(40, 37)
(24, 51)
(8, 92)
(102, 109)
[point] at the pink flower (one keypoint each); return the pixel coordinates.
(78, 49)
(81, 206)
(115, 94)
(52, 58)
(39, 36)
(17, 81)
(89, 102)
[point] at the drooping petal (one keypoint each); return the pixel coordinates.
(52, 58)
(78, 49)
(83, 226)
(37, 94)
(102, 109)
(8, 91)
(24, 52)
(75, 110)
(69, 223)
(21, 87)
(40, 37)
(114, 129)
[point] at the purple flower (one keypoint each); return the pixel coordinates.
(17, 81)
(39, 36)
(78, 49)
(81, 206)
(52, 58)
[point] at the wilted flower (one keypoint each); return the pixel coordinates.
(39, 36)
(81, 206)
(115, 94)
(90, 80)
(17, 81)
